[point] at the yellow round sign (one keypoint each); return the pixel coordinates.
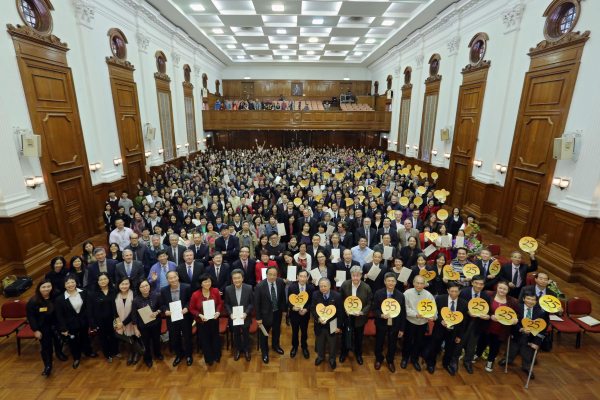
(535, 327)
(479, 306)
(421, 190)
(326, 175)
(360, 154)
(314, 170)
(442, 214)
(451, 317)
(385, 167)
(357, 175)
(339, 176)
(427, 275)
(371, 164)
(376, 192)
(391, 307)
(418, 201)
(434, 175)
(392, 163)
(432, 236)
(379, 172)
(297, 201)
(470, 270)
(392, 214)
(426, 308)
(528, 244)
(401, 162)
(406, 192)
(405, 171)
(505, 315)
(550, 303)
(404, 200)
(319, 197)
(379, 162)
(349, 202)
(352, 304)
(417, 168)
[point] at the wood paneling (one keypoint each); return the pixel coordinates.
(430, 102)
(129, 126)
(545, 103)
(190, 115)
(101, 195)
(165, 111)
(271, 89)
(404, 118)
(484, 201)
(281, 120)
(466, 131)
(52, 104)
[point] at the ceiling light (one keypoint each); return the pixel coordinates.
(388, 22)
(281, 31)
(277, 7)
(246, 77)
(346, 79)
(310, 52)
(317, 21)
(197, 7)
(370, 41)
(358, 53)
(231, 46)
(283, 46)
(286, 57)
(241, 57)
(313, 40)
(217, 30)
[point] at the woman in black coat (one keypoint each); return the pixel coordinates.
(454, 222)
(57, 274)
(71, 314)
(100, 315)
(41, 314)
(149, 332)
(409, 253)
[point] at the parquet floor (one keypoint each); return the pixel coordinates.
(563, 373)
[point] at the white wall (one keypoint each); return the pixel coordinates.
(283, 71)
(510, 41)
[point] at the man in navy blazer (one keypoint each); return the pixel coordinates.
(473, 324)
(362, 232)
(219, 273)
(228, 245)
(201, 250)
(300, 316)
(101, 263)
(246, 264)
(516, 272)
(346, 263)
(190, 267)
(327, 297)
(183, 293)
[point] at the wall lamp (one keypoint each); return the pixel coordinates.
(160, 151)
(187, 145)
(178, 146)
(416, 147)
(501, 168)
(148, 154)
(33, 182)
(95, 167)
(434, 152)
(561, 183)
(477, 163)
(447, 155)
(199, 141)
(407, 146)
(118, 161)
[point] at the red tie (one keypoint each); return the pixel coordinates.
(291, 230)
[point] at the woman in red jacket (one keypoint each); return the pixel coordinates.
(208, 325)
(265, 263)
(429, 209)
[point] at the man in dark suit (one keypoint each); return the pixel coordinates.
(346, 238)
(377, 282)
(219, 273)
(213, 214)
(182, 292)
(524, 342)
(190, 270)
(346, 264)
(246, 264)
(102, 264)
(129, 268)
(311, 221)
(228, 245)
(270, 306)
(484, 269)
(442, 333)
(355, 323)
(323, 330)
(357, 223)
(516, 272)
(397, 222)
(417, 223)
(201, 250)
(387, 229)
(175, 250)
(299, 316)
(382, 326)
(366, 232)
(240, 295)
(314, 248)
(473, 323)
(540, 288)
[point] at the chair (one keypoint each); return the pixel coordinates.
(223, 328)
(495, 250)
(581, 306)
(567, 325)
(369, 328)
(254, 329)
(25, 333)
(342, 98)
(531, 279)
(12, 309)
(431, 323)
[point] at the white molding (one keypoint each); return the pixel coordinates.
(197, 69)
(84, 13)
(419, 61)
(512, 18)
(452, 46)
(176, 58)
(143, 41)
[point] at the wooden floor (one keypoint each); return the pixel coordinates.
(563, 373)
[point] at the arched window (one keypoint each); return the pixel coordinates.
(434, 65)
(204, 81)
(478, 47)
(161, 62)
(36, 15)
(389, 82)
(561, 17)
(117, 43)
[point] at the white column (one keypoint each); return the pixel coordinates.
(198, 105)
(396, 102)
(416, 102)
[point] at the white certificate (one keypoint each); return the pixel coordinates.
(291, 273)
(255, 184)
(387, 252)
(369, 257)
(226, 178)
(445, 241)
(145, 314)
(263, 271)
(460, 242)
(333, 326)
(149, 199)
(208, 307)
(404, 274)
(227, 161)
(330, 229)
(281, 229)
(374, 272)
(316, 274)
(392, 186)
(238, 313)
(317, 191)
(341, 275)
(429, 250)
(336, 255)
(175, 308)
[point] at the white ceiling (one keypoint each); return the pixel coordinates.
(316, 31)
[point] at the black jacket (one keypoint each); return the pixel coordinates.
(263, 306)
(399, 322)
(537, 313)
(185, 295)
(246, 300)
(99, 307)
(67, 317)
(478, 323)
(334, 299)
(250, 273)
(294, 288)
(197, 270)
(39, 319)
(201, 253)
(457, 331)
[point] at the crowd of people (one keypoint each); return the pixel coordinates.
(281, 104)
(235, 233)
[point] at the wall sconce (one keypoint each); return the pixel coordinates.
(205, 140)
(447, 155)
(199, 141)
(395, 143)
(148, 154)
(95, 167)
(34, 182)
(178, 146)
(416, 147)
(118, 161)
(187, 145)
(561, 183)
(501, 168)
(160, 151)
(477, 163)
(434, 152)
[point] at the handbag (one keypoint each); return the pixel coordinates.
(138, 346)
(62, 339)
(6, 282)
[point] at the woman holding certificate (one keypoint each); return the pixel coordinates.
(146, 320)
(205, 306)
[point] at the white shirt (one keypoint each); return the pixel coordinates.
(354, 289)
(75, 300)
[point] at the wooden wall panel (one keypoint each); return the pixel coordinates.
(101, 195)
(165, 111)
(271, 89)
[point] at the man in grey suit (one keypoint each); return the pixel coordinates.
(240, 294)
(175, 251)
(129, 268)
(403, 235)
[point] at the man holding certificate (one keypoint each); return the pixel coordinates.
(355, 323)
(239, 302)
(299, 315)
(345, 265)
(175, 303)
(270, 304)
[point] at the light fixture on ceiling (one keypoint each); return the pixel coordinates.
(561, 183)
(217, 30)
(246, 77)
(313, 40)
(346, 79)
(277, 7)
(358, 53)
(231, 46)
(477, 163)
(286, 57)
(317, 21)
(310, 52)
(197, 7)
(388, 22)
(241, 57)
(355, 19)
(370, 41)
(283, 46)
(281, 31)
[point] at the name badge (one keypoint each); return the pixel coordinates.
(43, 309)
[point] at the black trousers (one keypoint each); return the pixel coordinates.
(469, 343)
(176, 330)
(493, 341)
(108, 341)
(211, 341)
(79, 342)
(151, 334)
(321, 342)
(275, 334)
(450, 340)
(380, 340)
(301, 326)
(413, 337)
(241, 338)
(358, 334)
(48, 340)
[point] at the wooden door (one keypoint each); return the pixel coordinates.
(248, 90)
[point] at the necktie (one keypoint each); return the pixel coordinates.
(190, 272)
(389, 295)
(540, 294)
(452, 308)
(226, 244)
(528, 313)
(175, 254)
(128, 269)
(367, 236)
(164, 268)
(326, 297)
(273, 297)
(515, 279)
(245, 265)
(301, 289)
(217, 272)
(476, 295)
(347, 266)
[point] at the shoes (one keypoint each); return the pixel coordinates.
(176, 362)
(474, 359)
(318, 361)
(92, 355)
(403, 364)
(377, 365)
(76, 364)
(248, 356)
(210, 363)
(119, 355)
(161, 358)
(468, 368)
(359, 360)
(527, 372)
(189, 361)
(293, 352)
(431, 369)
(47, 370)
(287, 320)
(392, 367)
(417, 366)
(305, 353)
(136, 358)
(502, 362)
(450, 370)
(279, 350)
(61, 356)
(266, 359)
(218, 360)
(130, 358)
(343, 357)
(489, 367)
(454, 366)
(236, 356)
(149, 364)
(332, 364)
(109, 359)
